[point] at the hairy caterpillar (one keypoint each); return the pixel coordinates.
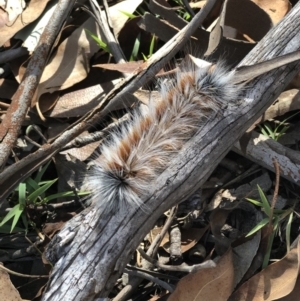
(141, 149)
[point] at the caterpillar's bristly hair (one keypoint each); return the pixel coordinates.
(142, 149)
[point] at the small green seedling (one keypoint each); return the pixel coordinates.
(277, 131)
(278, 217)
(135, 50)
(151, 48)
(31, 192)
(129, 15)
(182, 11)
(101, 44)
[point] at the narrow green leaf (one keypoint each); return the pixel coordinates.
(265, 203)
(9, 215)
(152, 44)
(263, 131)
(25, 222)
(13, 212)
(255, 202)
(144, 57)
(31, 185)
(285, 120)
(101, 44)
(288, 232)
(135, 49)
(281, 132)
(63, 194)
(129, 15)
(268, 252)
(33, 196)
(258, 226)
(41, 172)
(22, 194)
(186, 16)
(17, 215)
(270, 131)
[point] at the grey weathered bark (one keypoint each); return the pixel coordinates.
(262, 150)
(93, 249)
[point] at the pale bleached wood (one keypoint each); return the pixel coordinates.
(93, 249)
(263, 150)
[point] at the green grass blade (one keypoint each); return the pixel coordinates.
(31, 185)
(261, 224)
(264, 132)
(129, 15)
(136, 48)
(288, 232)
(33, 196)
(101, 44)
(255, 202)
(144, 57)
(270, 243)
(41, 172)
(265, 204)
(25, 222)
(22, 194)
(152, 44)
(9, 215)
(270, 131)
(268, 252)
(63, 194)
(17, 215)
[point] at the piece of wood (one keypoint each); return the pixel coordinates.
(263, 150)
(93, 249)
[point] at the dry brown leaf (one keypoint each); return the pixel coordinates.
(276, 9)
(274, 282)
(32, 12)
(7, 291)
(243, 257)
(71, 62)
(77, 103)
(217, 221)
(129, 67)
(294, 295)
(215, 284)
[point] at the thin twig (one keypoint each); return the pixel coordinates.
(275, 195)
(188, 8)
(22, 275)
(178, 268)
(108, 36)
(134, 282)
(157, 240)
(151, 278)
(153, 273)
